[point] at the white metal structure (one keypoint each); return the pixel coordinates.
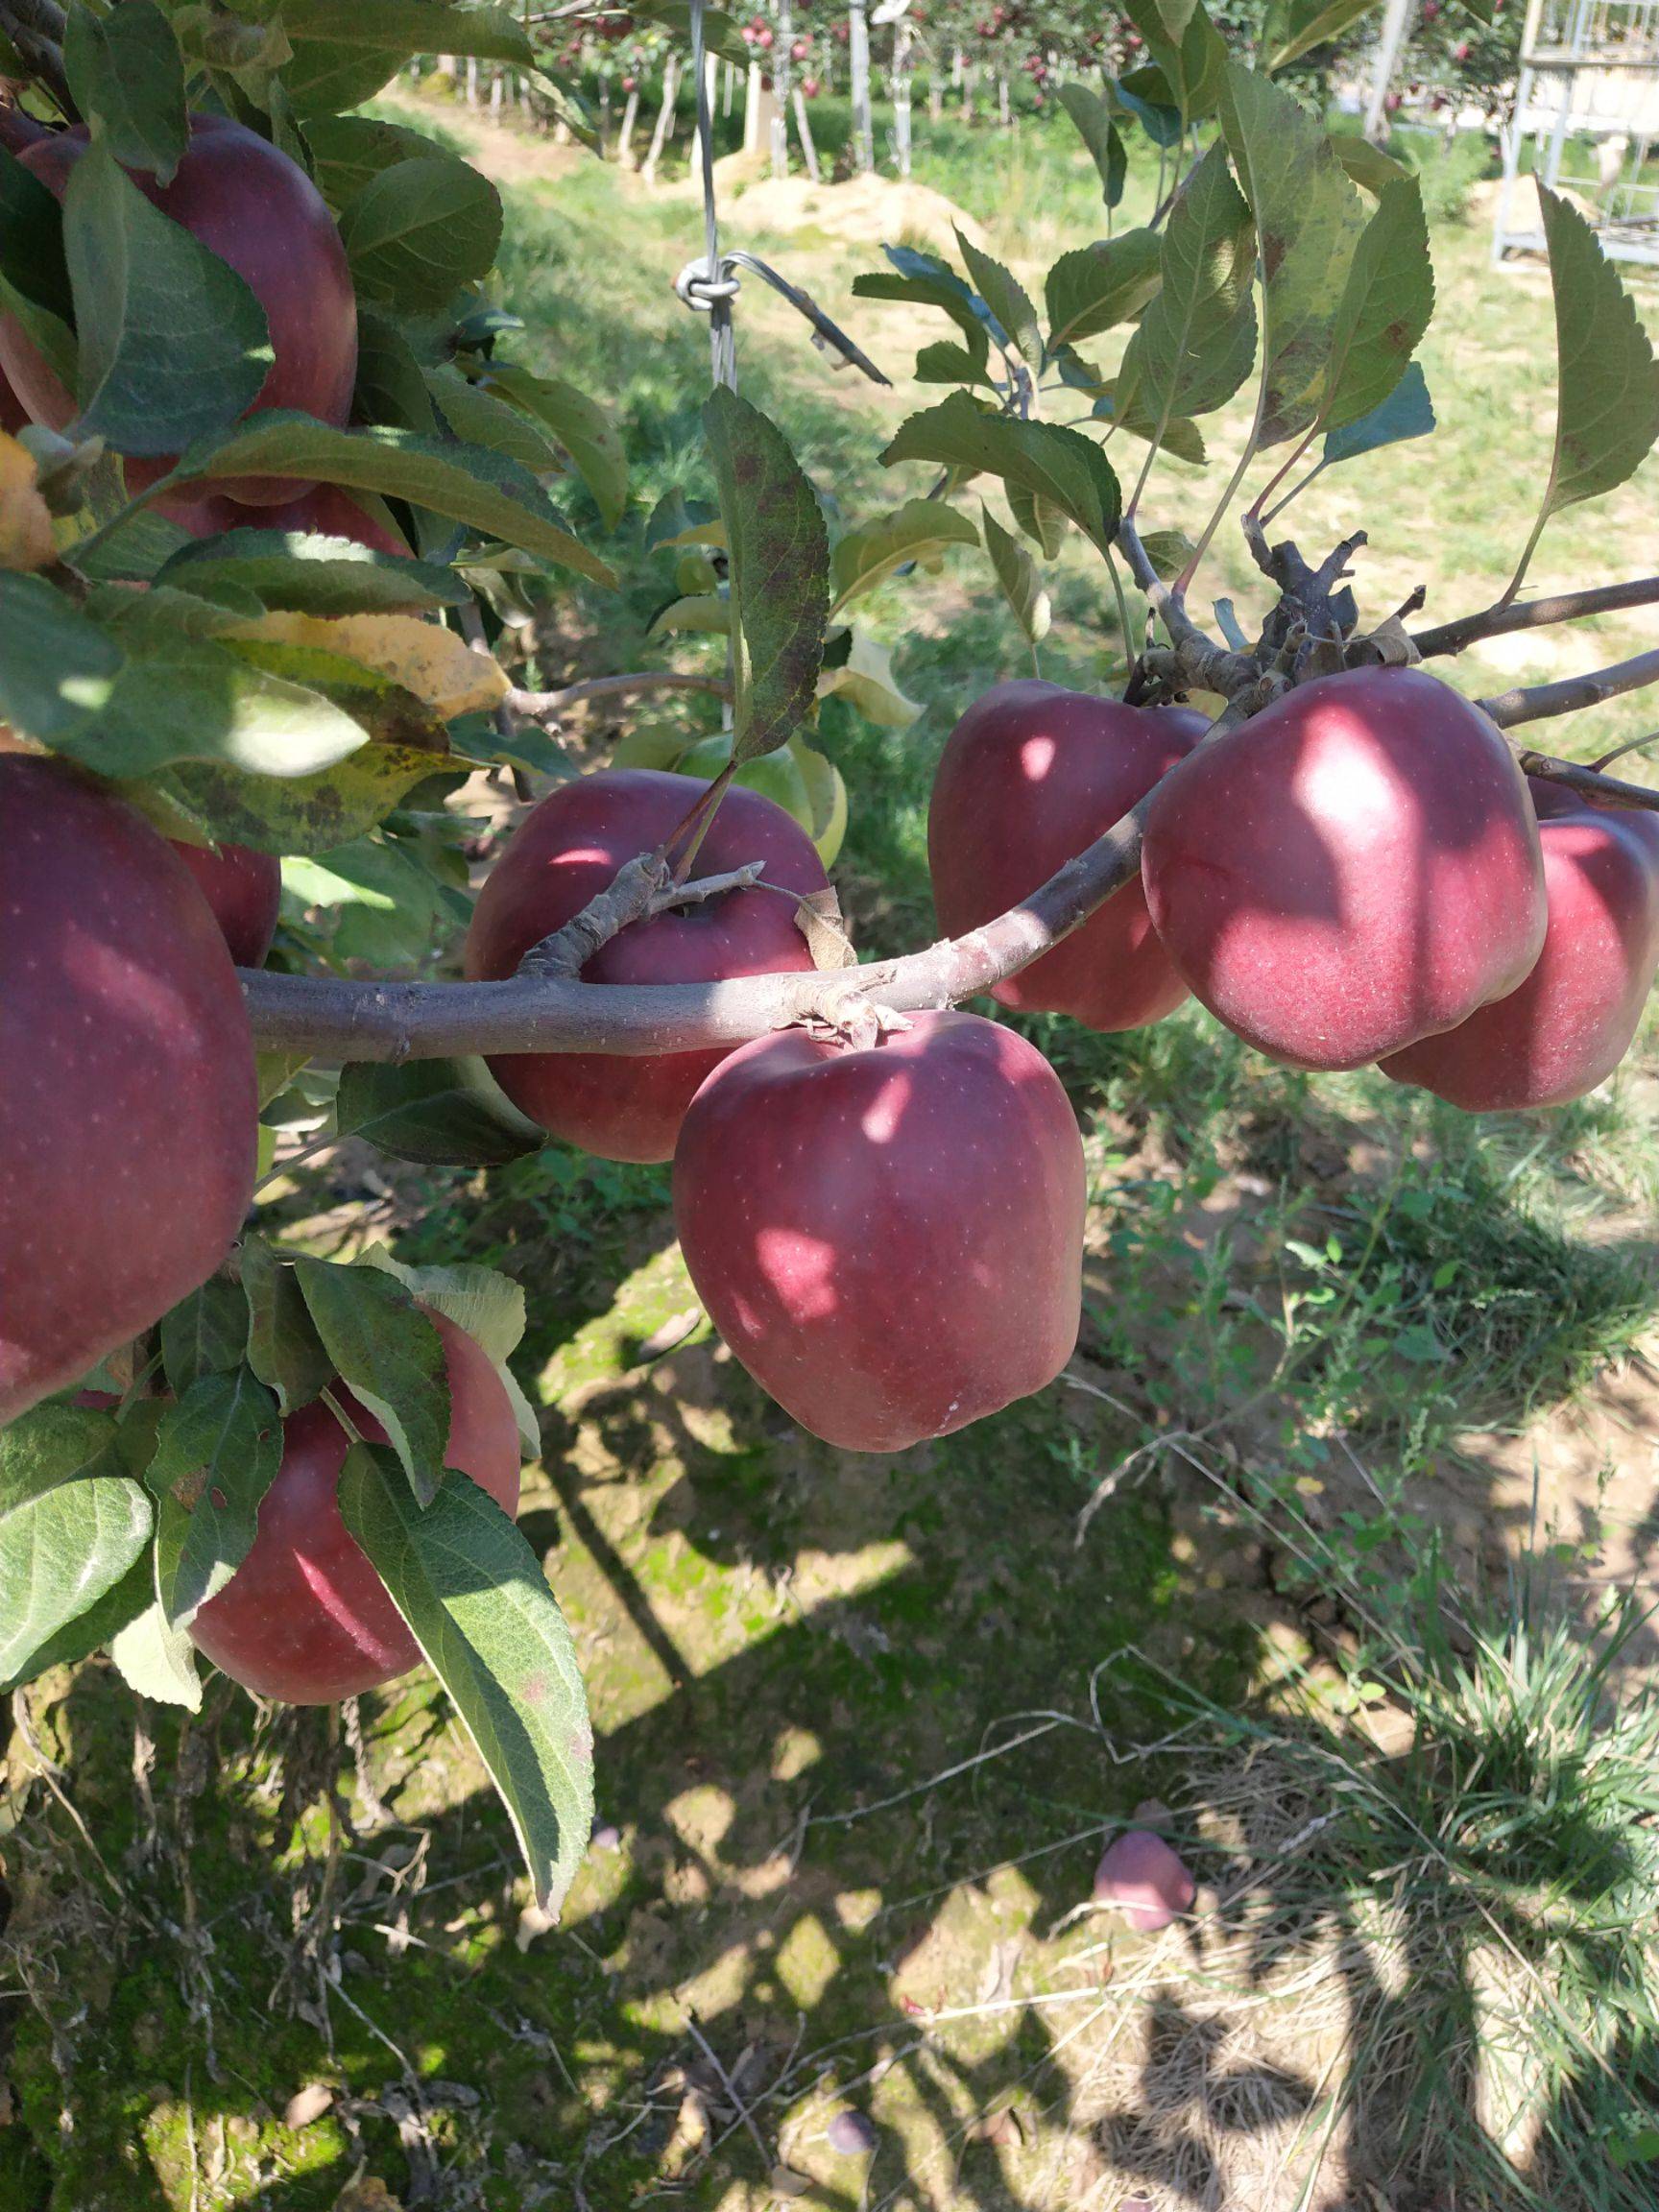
(1587, 101)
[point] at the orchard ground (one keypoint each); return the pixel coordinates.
(1326, 1324)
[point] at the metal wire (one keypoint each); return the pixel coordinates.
(711, 284)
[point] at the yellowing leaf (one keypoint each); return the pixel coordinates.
(26, 539)
(441, 669)
(866, 678)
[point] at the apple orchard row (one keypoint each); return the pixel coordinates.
(887, 1234)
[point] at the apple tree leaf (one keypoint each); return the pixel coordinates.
(1196, 343)
(1608, 389)
(127, 76)
(218, 1449)
(477, 1603)
(1094, 287)
(919, 531)
(1020, 583)
(1384, 307)
(1104, 140)
(442, 1113)
(390, 1355)
(72, 1523)
(778, 551)
(1059, 465)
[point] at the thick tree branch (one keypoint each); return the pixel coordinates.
(1591, 783)
(1203, 664)
(1573, 693)
(548, 706)
(1537, 615)
(335, 1019)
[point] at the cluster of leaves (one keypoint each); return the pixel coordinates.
(1290, 264)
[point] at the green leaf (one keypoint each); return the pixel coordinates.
(71, 1524)
(157, 1660)
(57, 666)
(1101, 136)
(1174, 16)
(386, 900)
(1407, 412)
(91, 1631)
(1017, 575)
(1144, 97)
(943, 362)
(284, 1350)
(420, 229)
(173, 346)
(31, 257)
(1607, 383)
(347, 151)
(293, 814)
(127, 76)
(919, 531)
(390, 1355)
(1094, 287)
(1308, 221)
(391, 388)
(1168, 551)
(1176, 434)
(1368, 165)
(479, 419)
(1191, 63)
(448, 1113)
(1005, 295)
(924, 281)
(779, 552)
(489, 1306)
(1316, 23)
(1197, 339)
(346, 50)
(1059, 466)
(703, 612)
(306, 574)
(475, 1596)
(580, 425)
(217, 1452)
(720, 33)
(1043, 523)
(204, 1333)
(485, 491)
(1385, 308)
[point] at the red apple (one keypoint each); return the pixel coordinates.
(1572, 1021)
(569, 848)
(13, 414)
(127, 1101)
(1353, 869)
(1029, 777)
(244, 889)
(306, 1618)
(247, 203)
(890, 1240)
(324, 511)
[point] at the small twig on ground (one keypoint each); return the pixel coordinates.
(726, 2082)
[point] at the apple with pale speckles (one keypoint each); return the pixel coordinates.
(565, 851)
(1572, 1021)
(1353, 869)
(1030, 775)
(128, 1100)
(890, 1239)
(244, 889)
(306, 1618)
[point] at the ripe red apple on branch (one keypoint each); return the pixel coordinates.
(1353, 869)
(244, 888)
(890, 1239)
(567, 852)
(1572, 1021)
(324, 511)
(247, 202)
(306, 1618)
(128, 1100)
(1030, 775)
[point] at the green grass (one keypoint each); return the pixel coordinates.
(1311, 1304)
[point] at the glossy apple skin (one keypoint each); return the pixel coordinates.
(127, 1101)
(306, 1618)
(325, 511)
(1570, 1023)
(247, 202)
(890, 1240)
(1353, 869)
(1030, 776)
(244, 889)
(569, 848)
